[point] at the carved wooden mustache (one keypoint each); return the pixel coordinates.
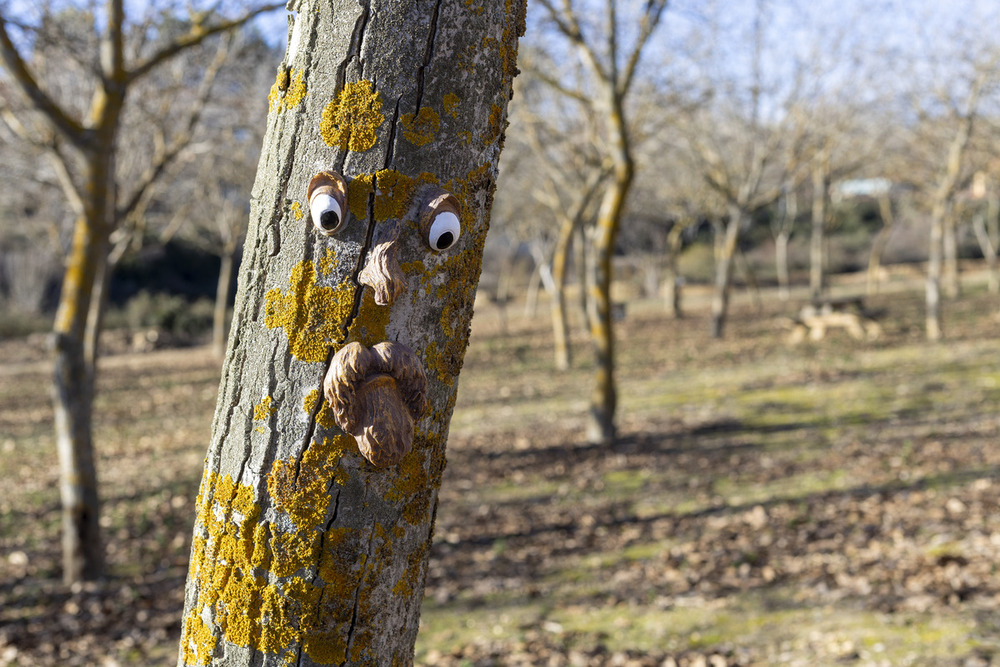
(377, 394)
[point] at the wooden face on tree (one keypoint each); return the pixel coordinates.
(378, 393)
(385, 293)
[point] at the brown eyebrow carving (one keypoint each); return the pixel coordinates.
(377, 394)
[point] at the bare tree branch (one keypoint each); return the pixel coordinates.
(60, 120)
(165, 155)
(197, 35)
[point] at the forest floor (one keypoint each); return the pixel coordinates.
(828, 503)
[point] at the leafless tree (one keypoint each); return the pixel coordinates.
(78, 121)
(611, 68)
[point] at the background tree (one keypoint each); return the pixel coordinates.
(303, 549)
(556, 158)
(80, 119)
(611, 66)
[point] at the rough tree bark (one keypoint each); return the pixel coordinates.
(303, 551)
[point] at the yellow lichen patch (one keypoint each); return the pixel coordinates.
(351, 120)
(494, 125)
(450, 103)
(287, 92)
(264, 409)
(296, 209)
(411, 575)
(393, 192)
(329, 261)
(235, 553)
(337, 549)
(313, 316)
(324, 417)
(411, 486)
(369, 327)
(359, 189)
(299, 488)
(419, 128)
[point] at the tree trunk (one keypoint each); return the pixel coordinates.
(952, 283)
(726, 252)
(304, 551)
(585, 274)
(781, 264)
(817, 259)
(560, 323)
(72, 393)
(672, 295)
(604, 398)
(222, 303)
(879, 243)
(989, 250)
(934, 263)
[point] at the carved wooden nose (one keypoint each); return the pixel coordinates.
(382, 271)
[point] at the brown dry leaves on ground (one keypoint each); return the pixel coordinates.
(830, 503)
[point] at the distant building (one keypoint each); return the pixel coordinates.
(859, 187)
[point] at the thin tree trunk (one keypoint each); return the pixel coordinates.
(951, 278)
(604, 398)
(305, 551)
(219, 330)
(560, 323)
(672, 287)
(934, 265)
(879, 243)
(72, 392)
(724, 270)
(989, 250)
(585, 274)
(781, 264)
(817, 256)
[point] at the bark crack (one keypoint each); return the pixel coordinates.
(357, 593)
(428, 55)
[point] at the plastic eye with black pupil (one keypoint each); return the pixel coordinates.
(327, 196)
(444, 231)
(326, 213)
(440, 221)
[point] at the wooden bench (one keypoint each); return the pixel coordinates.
(848, 313)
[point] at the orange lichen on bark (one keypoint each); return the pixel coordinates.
(264, 409)
(451, 104)
(246, 591)
(324, 416)
(350, 121)
(420, 128)
(313, 316)
(287, 92)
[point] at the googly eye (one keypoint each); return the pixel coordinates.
(326, 213)
(327, 196)
(440, 221)
(444, 232)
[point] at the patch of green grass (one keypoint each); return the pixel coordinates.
(811, 482)
(769, 620)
